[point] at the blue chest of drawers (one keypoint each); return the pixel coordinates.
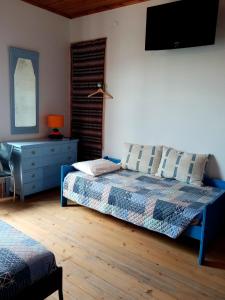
(37, 163)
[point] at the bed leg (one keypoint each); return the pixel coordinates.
(201, 256)
(64, 171)
(204, 237)
(63, 201)
(60, 284)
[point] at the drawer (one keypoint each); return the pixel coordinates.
(31, 152)
(52, 149)
(54, 159)
(69, 158)
(32, 187)
(31, 163)
(32, 175)
(51, 171)
(69, 147)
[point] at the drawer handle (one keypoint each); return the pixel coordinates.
(33, 164)
(33, 175)
(33, 152)
(52, 150)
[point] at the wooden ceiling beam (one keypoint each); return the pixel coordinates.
(77, 8)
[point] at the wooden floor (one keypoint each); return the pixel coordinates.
(104, 258)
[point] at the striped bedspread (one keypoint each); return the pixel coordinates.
(23, 261)
(162, 205)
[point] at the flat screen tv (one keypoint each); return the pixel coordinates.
(181, 24)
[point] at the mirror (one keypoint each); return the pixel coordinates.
(24, 90)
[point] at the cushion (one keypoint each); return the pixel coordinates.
(141, 158)
(96, 167)
(182, 166)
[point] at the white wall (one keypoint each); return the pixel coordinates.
(25, 26)
(174, 97)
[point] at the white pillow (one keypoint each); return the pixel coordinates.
(141, 158)
(96, 167)
(182, 166)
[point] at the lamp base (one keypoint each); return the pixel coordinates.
(55, 135)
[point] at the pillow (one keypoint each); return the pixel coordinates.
(96, 167)
(182, 166)
(141, 158)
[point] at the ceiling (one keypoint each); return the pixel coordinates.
(76, 8)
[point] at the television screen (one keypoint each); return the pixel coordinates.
(181, 24)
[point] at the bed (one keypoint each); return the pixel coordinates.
(27, 269)
(163, 205)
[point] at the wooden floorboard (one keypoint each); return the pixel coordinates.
(105, 258)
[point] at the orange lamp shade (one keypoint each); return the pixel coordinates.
(55, 121)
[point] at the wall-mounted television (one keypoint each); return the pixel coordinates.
(181, 24)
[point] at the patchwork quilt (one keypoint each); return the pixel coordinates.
(22, 261)
(163, 205)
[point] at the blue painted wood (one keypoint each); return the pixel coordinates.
(115, 160)
(14, 55)
(194, 232)
(32, 175)
(213, 222)
(218, 183)
(203, 239)
(37, 163)
(65, 169)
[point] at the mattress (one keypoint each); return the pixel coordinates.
(23, 261)
(163, 205)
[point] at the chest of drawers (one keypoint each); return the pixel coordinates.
(37, 163)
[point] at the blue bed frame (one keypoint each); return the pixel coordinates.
(212, 215)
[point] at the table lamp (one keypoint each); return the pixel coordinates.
(55, 122)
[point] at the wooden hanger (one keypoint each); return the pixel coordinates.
(101, 91)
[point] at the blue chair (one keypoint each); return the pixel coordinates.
(6, 169)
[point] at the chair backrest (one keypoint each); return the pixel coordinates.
(5, 156)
